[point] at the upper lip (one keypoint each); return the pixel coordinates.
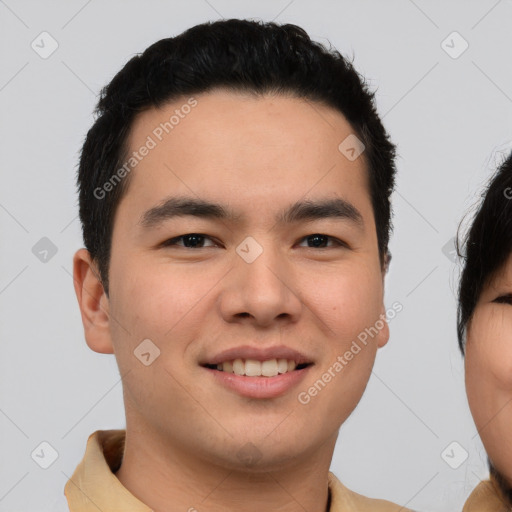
(258, 354)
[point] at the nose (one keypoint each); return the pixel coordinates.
(261, 292)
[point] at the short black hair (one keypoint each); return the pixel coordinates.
(241, 55)
(486, 246)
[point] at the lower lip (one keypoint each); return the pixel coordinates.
(260, 387)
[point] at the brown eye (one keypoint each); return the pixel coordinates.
(320, 241)
(189, 241)
(504, 299)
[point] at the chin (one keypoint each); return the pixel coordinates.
(257, 454)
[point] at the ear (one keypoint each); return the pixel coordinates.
(383, 336)
(386, 263)
(93, 302)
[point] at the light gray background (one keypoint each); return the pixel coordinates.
(451, 119)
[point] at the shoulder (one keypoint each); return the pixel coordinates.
(345, 499)
(485, 497)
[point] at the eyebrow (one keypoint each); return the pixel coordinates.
(332, 208)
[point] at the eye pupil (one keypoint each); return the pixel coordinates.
(196, 240)
(319, 240)
(504, 299)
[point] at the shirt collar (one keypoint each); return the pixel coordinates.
(94, 486)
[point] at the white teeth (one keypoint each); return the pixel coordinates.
(238, 367)
(282, 365)
(254, 368)
(269, 368)
(227, 367)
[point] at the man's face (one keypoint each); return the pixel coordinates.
(255, 287)
(489, 368)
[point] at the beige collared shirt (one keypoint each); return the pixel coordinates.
(94, 486)
(486, 497)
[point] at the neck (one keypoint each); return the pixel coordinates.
(160, 476)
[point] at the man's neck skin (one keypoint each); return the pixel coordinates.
(159, 478)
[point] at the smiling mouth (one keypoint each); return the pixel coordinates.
(255, 368)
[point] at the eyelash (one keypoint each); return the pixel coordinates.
(172, 241)
(504, 299)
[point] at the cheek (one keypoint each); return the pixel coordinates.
(489, 388)
(489, 378)
(501, 356)
(489, 352)
(350, 301)
(155, 302)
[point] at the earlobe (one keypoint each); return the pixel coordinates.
(382, 323)
(387, 261)
(383, 336)
(93, 303)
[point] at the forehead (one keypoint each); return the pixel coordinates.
(254, 150)
(263, 117)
